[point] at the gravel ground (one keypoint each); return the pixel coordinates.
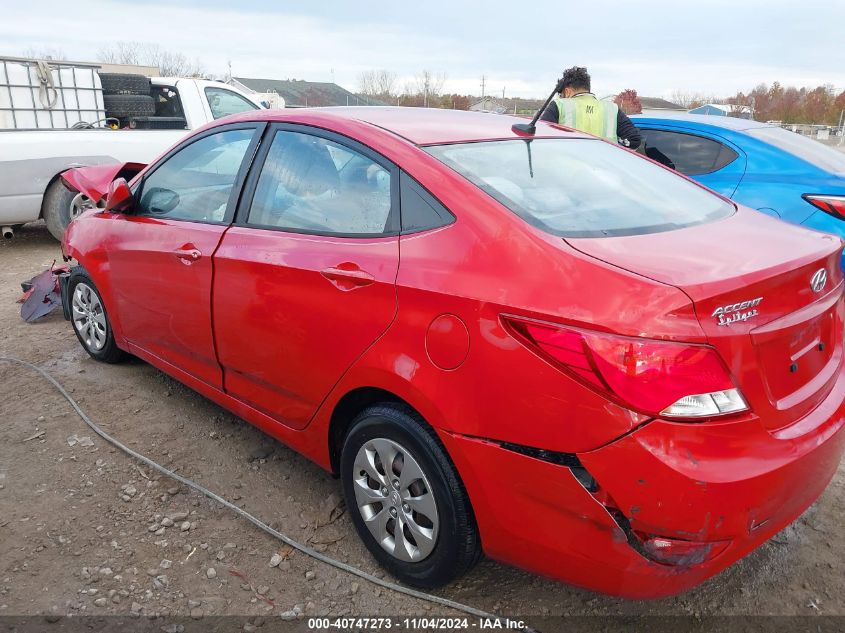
(85, 530)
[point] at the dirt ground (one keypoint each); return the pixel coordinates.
(85, 530)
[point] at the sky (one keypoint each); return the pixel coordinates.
(657, 47)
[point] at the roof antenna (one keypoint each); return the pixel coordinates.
(530, 128)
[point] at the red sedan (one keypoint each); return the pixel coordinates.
(545, 348)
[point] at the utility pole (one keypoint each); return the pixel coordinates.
(230, 71)
(841, 128)
(483, 83)
(503, 92)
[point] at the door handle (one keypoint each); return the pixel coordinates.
(347, 276)
(188, 253)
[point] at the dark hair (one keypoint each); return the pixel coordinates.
(575, 77)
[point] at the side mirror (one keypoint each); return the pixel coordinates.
(119, 197)
(160, 201)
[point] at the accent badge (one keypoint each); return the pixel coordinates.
(734, 312)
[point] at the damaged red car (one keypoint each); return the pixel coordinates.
(540, 347)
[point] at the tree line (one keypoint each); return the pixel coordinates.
(788, 104)
(169, 63)
(424, 90)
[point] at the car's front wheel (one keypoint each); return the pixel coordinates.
(90, 319)
(405, 498)
(61, 206)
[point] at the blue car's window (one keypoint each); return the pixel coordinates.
(687, 153)
(582, 187)
(807, 149)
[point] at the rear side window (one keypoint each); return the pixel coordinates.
(309, 184)
(687, 153)
(814, 152)
(420, 210)
(225, 102)
(582, 187)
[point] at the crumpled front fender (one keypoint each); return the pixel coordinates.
(94, 181)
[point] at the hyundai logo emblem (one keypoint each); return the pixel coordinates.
(818, 280)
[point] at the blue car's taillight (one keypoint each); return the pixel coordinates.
(832, 205)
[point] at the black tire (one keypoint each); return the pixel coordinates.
(124, 84)
(457, 548)
(125, 106)
(57, 208)
(109, 352)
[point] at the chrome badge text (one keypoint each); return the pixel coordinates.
(734, 312)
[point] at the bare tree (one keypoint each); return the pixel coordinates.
(169, 63)
(377, 83)
(47, 52)
(429, 86)
(688, 100)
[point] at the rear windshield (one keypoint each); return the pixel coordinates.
(814, 152)
(582, 187)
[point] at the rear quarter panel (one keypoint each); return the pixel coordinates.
(491, 262)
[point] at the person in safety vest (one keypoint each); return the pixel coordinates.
(578, 108)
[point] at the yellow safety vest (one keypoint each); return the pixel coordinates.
(586, 113)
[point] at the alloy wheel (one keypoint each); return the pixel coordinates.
(78, 205)
(395, 500)
(89, 317)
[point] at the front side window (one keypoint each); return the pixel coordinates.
(689, 154)
(196, 182)
(582, 187)
(225, 102)
(312, 185)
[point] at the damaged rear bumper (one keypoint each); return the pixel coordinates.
(731, 485)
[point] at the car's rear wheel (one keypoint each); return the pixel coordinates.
(90, 319)
(405, 498)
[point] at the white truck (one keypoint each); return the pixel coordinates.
(59, 115)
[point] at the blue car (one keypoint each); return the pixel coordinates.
(762, 166)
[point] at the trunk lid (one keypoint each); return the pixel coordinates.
(751, 279)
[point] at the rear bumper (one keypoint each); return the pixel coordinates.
(732, 481)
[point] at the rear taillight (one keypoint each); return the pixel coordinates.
(677, 552)
(657, 378)
(832, 205)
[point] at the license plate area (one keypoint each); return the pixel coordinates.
(798, 354)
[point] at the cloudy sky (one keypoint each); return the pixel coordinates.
(655, 46)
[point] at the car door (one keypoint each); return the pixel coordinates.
(160, 252)
(305, 280)
(712, 161)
